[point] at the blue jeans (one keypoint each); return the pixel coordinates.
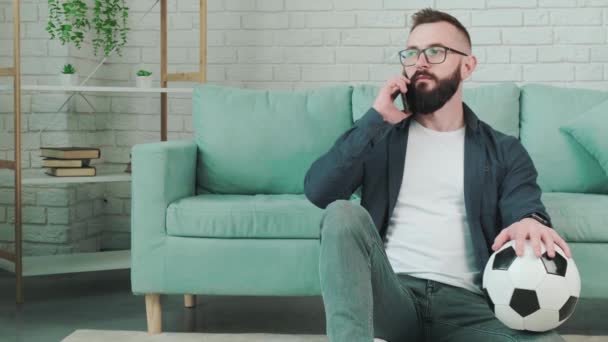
(364, 298)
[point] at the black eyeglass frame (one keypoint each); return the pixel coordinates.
(423, 51)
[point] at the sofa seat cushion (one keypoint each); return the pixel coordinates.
(578, 217)
(244, 216)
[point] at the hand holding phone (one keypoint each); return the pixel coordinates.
(384, 103)
(406, 106)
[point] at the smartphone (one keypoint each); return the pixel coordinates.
(406, 105)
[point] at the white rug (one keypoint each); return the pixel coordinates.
(139, 336)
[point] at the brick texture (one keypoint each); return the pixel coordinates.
(265, 44)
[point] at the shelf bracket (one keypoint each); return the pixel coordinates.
(7, 164)
(185, 76)
(8, 256)
(6, 72)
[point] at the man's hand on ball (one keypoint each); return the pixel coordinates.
(529, 228)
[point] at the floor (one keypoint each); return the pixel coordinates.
(57, 305)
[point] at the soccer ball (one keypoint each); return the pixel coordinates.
(531, 293)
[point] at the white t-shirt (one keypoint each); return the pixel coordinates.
(428, 234)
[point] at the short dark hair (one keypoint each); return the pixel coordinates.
(429, 15)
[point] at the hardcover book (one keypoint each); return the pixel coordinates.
(70, 152)
(52, 162)
(71, 171)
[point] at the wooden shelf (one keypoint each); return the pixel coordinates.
(38, 177)
(90, 261)
(98, 89)
(71, 263)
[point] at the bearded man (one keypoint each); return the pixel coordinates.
(440, 190)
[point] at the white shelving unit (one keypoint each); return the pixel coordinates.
(38, 177)
(71, 263)
(14, 261)
(75, 262)
(98, 89)
(78, 262)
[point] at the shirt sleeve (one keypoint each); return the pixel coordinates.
(520, 195)
(339, 172)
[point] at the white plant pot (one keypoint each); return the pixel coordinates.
(69, 79)
(143, 81)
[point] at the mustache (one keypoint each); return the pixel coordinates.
(419, 73)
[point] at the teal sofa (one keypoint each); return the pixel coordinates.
(225, 214)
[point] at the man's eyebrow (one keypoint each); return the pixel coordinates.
(432, 44)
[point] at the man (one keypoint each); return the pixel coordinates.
(441, 190)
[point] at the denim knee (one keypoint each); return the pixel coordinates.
(345, 217)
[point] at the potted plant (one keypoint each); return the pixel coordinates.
(143, 79)
(69, 76)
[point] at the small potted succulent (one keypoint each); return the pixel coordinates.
(69, 76)
(144, 79)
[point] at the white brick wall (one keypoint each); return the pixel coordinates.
(279, 44)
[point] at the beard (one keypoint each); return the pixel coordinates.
(424, 101)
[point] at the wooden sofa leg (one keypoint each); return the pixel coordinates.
(153, 313)
(189, 300)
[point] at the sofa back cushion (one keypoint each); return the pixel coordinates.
(497, 105)
(563, 165)
(263, 141)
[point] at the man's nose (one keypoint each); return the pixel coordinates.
(422, 61)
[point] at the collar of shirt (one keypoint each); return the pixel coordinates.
(470, 119)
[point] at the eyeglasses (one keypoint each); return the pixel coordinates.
(433, 55)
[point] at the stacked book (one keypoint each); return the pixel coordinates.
(69, 161)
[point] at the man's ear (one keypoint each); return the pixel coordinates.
(467, 67)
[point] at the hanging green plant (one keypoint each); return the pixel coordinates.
(68, 21)
(110, 22)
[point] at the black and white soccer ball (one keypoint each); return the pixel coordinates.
(528, 292)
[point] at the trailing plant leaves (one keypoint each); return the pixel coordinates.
(110, 22)
(69, 22)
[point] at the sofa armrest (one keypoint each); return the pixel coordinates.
(162, 173)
